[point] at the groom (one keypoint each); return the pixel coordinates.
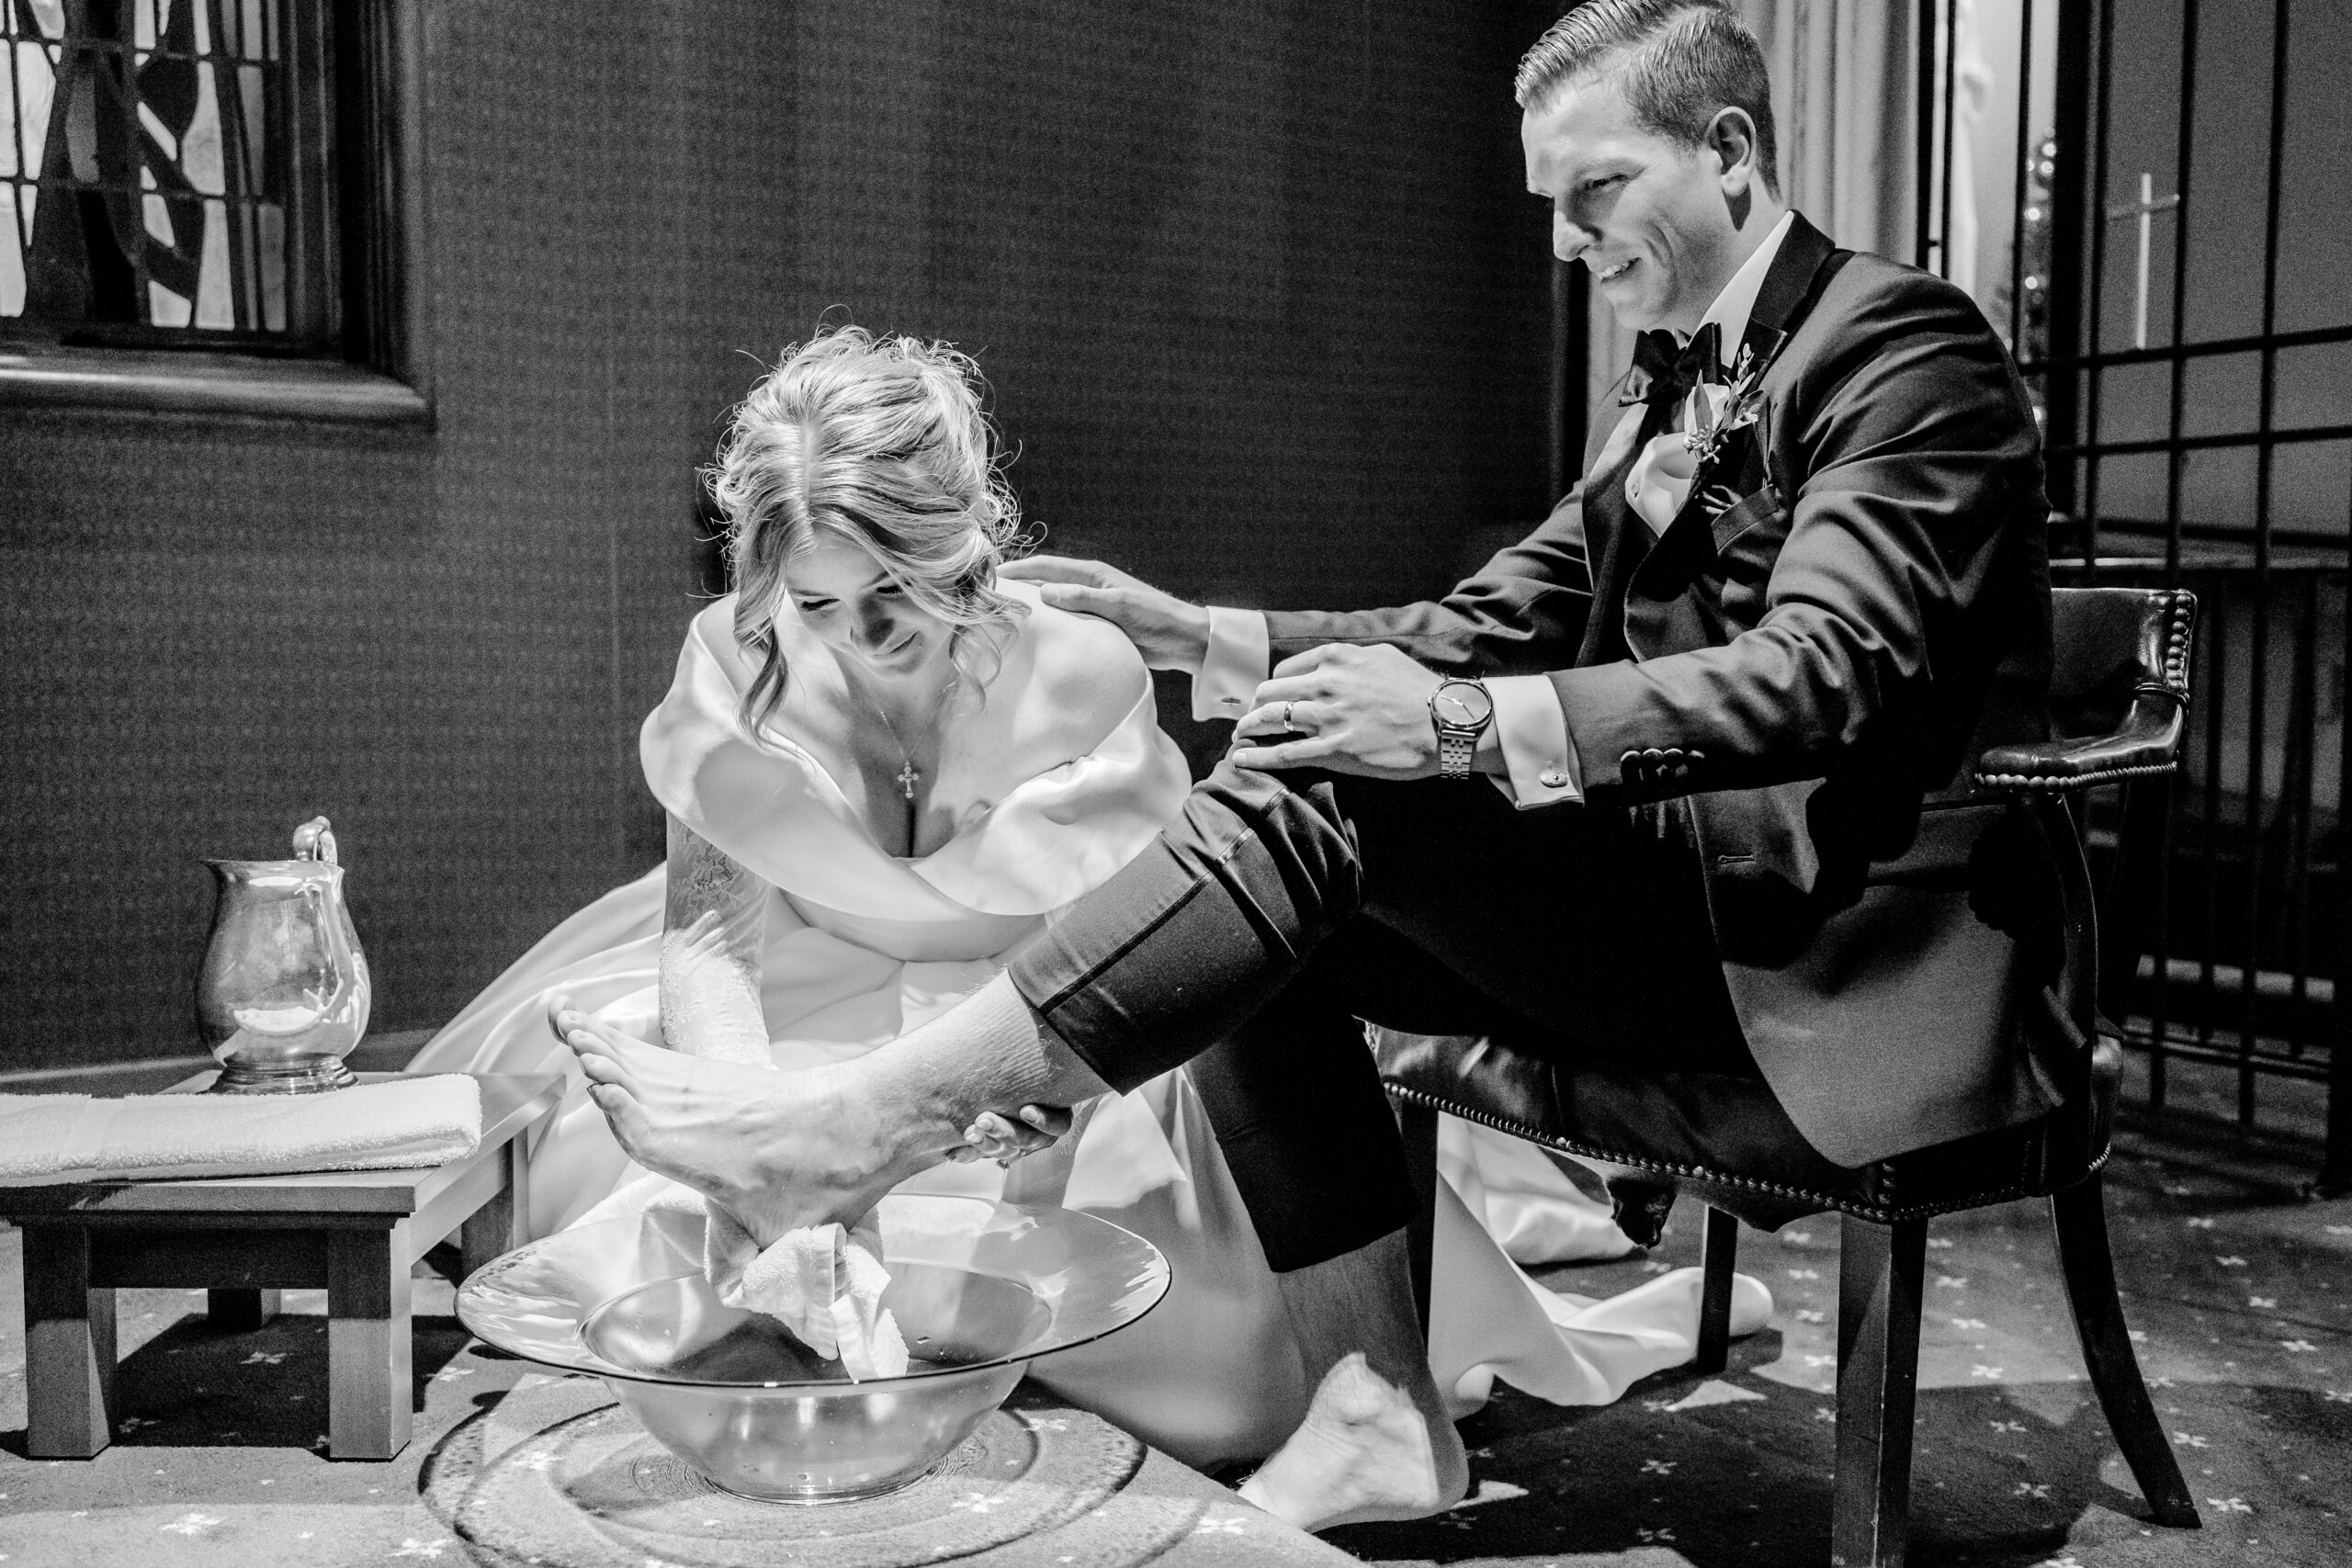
(1723, 697)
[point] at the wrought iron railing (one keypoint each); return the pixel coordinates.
(2225, 930)
(2229, 927)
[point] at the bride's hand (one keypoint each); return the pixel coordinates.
(991, 1136)
(1168, 632)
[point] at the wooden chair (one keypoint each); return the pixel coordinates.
(2120, 693)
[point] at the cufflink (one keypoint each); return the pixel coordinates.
(1552, 778)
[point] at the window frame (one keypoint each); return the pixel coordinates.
(370, 259)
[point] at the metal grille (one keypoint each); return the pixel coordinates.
(152, 171)
(2174, 233)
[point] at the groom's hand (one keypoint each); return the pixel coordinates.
(1349, 709)
(1168, 632)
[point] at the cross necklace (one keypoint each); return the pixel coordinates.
(908, 775)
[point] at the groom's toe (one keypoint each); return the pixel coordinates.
(598, 1048)
(622, 1049)
(607, 1096)
(625, 1116)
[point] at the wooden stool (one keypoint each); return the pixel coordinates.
(244, 1238)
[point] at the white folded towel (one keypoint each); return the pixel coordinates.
(823, 1282)
(50, 1138)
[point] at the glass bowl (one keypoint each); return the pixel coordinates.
(978, 1288)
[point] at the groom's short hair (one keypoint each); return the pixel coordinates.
(1679, 62)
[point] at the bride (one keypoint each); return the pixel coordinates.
(883, 768)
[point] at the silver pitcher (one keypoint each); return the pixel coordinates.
(283, 996)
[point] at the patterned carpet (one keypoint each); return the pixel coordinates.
(2240, 1290)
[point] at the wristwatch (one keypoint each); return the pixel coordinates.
(1461, 710)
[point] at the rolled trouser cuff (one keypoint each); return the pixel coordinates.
(1197, 933)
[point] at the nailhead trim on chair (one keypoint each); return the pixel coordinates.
(1877, 1215)
(2179, 636)
(2061, 782)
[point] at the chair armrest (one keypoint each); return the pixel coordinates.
(2146, 742)
(2119, 691)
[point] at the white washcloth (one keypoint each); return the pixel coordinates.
(50, 1138)
(823, 1282)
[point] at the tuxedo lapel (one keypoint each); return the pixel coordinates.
(1615, 539)
(1788, 290)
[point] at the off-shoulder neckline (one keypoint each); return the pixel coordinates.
(847, 809)
(768, 803)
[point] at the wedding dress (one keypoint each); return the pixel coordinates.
(861, 946)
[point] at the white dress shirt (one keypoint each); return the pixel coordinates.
(1659, 481)
(1539, 761)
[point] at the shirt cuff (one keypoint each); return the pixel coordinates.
(1240, 656)
(1540, 762)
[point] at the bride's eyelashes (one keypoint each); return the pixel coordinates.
(884, 590)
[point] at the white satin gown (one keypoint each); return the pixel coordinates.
(861, 946)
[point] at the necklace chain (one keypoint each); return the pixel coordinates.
(908, 775)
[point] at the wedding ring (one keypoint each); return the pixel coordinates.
(1286, 723)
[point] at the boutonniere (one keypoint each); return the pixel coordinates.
(1716, 410)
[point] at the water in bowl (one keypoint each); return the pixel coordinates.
(678, 1330)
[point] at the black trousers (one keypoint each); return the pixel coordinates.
(1279, 912)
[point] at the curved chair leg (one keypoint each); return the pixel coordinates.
(1879, 1276)
(1721, 1245)
(1418, 1123)
(2079, 1219)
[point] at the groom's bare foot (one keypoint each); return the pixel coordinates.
(1365, 1453)
(781, 1150)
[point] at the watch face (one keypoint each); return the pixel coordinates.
(1462, 704)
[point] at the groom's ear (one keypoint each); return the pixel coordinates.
(1731, 144)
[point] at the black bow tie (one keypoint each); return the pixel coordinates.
(1673, 369)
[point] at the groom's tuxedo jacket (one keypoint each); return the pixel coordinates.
(1808, 673)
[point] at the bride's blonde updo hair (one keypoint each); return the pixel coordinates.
(881, 441)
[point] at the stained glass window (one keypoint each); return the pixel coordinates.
(149, 175)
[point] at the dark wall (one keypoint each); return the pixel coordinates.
(1258, 286)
